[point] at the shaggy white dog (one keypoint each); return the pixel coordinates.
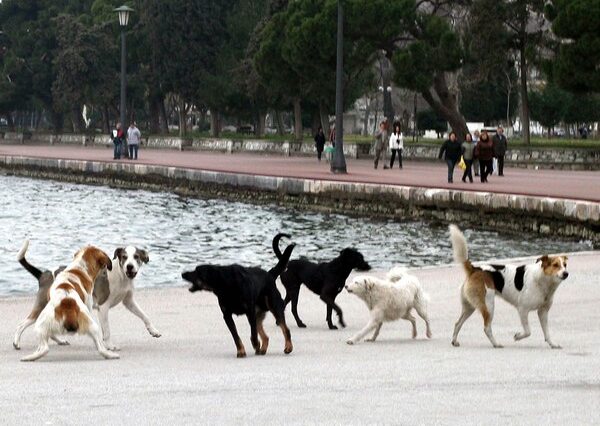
(389, 300)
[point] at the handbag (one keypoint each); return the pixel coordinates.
(462, 163)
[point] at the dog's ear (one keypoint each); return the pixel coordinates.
(143, 254)
(544, 259)
(119, 252)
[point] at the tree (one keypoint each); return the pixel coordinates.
(430, 120)
(577, 22)
(548, 106)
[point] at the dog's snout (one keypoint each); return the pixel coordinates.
(565, 275)
(129, 267)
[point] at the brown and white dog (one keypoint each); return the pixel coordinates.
(70, 302)
(526, 287)
(110, 289)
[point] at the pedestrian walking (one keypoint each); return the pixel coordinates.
(396, 145)
(500, 146)
(320, 142)
(381, 144)
(485, 152)
(475, 159)
(133, 140)
(468, 150)
(118, 136)
(451, 150)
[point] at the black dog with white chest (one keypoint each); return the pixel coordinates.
(326, 279)
(249, 291)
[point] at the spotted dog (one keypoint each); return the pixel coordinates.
(526, 287)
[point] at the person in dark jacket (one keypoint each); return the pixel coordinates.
(320, 142)
(451, 150)
(500, 146)
(485, 152)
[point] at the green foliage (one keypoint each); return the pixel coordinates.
(577, 22)
(548, 106)
(430, 120)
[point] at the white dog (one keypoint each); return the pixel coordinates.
(389, 300)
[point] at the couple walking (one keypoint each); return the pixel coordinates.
(395, 144)
(134, 137)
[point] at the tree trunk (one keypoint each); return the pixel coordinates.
(259, 127)
(182, 110)
(154, 110)
(215, 123)
(324, 118)
(524, 96)
(279, 123)
(445, 105)
(164, 119)
(297, 119)
(316, 122)
(365, 131)
(77, 120)
(10, 122)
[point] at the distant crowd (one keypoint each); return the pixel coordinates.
(478, 154)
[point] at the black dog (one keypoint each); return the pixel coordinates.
(246, 291)
(325, 279)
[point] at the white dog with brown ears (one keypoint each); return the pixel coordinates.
(389, 300)
(526, 287)
(70, 302)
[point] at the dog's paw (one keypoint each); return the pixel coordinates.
(498, 346)
(555, 346)
(112, 347)
(332, 327)
(241, 354)
(62, 343)
(301, 325)
(428, 334)
(154, 332)
(455, 343)
(261, 352)
(414, 335)
(288, 349)
(350, 342)
(16, 346)
(520, 336)
(370, 339)
(342, 323)
(111, 355)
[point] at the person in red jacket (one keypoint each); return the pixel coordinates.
(484, 151)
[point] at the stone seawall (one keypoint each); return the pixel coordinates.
(502, 212)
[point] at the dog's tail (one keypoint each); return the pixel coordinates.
(396, 273)
(283, 261)
(29, 267)
(459, 249)
(276, 244)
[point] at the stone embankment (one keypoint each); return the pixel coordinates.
(552, 158)
(503, 212)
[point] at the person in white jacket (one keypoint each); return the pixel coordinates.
(396, 145)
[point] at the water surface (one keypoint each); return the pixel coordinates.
(179, 233)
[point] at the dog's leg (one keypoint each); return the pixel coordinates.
(59, 341)
(137, 311)
(330, 300)
(294, 293)
(253, 329)
(543, 316)
(241, 351)
(95, 333)
(41, 350)
(375, 334)
(264, 339)
(487, 311)
(413, 322)
(23, 325)
(371, 325)
(422, 311)
(288, 348)
(467, 311)
(524, 315)
(103, 318)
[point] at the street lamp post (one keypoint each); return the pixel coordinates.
(338, 164)
(123, 13)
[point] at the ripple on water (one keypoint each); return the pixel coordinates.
(179, 232)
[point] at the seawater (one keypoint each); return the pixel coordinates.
(179, 233)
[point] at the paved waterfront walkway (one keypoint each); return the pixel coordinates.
(579, 185)
(191, 376)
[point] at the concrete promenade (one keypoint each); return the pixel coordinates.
(191, 376)
(575, 185)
